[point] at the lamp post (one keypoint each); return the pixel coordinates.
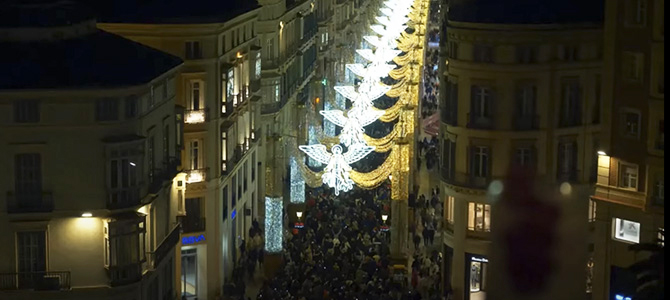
(299, 215)
(384, 218)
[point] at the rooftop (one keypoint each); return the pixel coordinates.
(527, 11)
(96, 60)
(170, 11)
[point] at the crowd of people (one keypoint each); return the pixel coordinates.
(431, 84)
(428, 152)
(342, 252)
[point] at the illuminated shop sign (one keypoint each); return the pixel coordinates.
(187, 240)
(622, 297)
(233, 214)
(480, 259)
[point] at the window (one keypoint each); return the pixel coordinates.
(130, 106)
(592, 210)
(660, 143)
(452, 49)
(448, 158)
(196, 99)
(569, 53)
(246, 166)
(526, 100)
(224, 204)
(239, 184)
(234, 195)
(26, 111)
(28, 177)
(257, 68)
(571, 104)
(450, 209)
(523, 156)
(526, 54)
(567, 161)
(625, 230)
(632, 65)
(107, 109)
(31, 257)
(193, 50)
(126, 247)
(629, 176)
(224, 152)
(253, 167)
(150, 155)
(631, 124)
(195, 155)
(481, 101)
(479, 217)
(483, 54)
(480, 162)
(595, 117)
(152, 96)
(166, 143)
(636, 12)
(125, 164)
(277, 98)
(659, 190)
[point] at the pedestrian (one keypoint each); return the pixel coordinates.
(417, 240)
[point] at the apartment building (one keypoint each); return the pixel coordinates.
(90, 143)
(287, 31)
(627, 207)
(516, 89)
(219, 89)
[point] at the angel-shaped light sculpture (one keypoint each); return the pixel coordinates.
(366, 94)
(338, 165)
(352, 124)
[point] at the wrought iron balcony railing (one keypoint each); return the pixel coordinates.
(196, 116)
(38, 202)
(162, 251)
(196, 175)
(191, 224)
(38, 281)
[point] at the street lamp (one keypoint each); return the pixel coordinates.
(385, 217)
(298, 214)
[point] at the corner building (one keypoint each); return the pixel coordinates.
(627, 207)
(90, 143)
(218, 89)
(514, 89)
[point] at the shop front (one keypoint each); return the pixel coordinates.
(475, 277)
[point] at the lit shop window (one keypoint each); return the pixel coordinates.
(626, 231)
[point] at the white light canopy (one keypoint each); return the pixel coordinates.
(362, 113)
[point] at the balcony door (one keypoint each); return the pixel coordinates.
(31, 256)
(28, 178)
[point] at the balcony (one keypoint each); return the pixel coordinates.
(464, 180)
(575, 119)
(196, 175)
(527, 122)
(126, 274)
(30, 203)
(124, 198)
(190, 224)
(197, 116)
(273, 108)
(38, 281)
(170, 241)
(479, 122)
(255, 85)
(569, 176)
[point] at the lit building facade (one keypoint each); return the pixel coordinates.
(627, 207)
(512, 92)
(287, 31)
(219, 89)
(90, 144)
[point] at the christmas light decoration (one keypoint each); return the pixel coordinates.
(336, 173)
(297, 183)
(274, 217)
(352, 125)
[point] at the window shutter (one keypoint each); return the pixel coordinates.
(614, 172)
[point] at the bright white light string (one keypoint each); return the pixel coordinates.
(338, 163)
(297, 183)
(274, 217)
